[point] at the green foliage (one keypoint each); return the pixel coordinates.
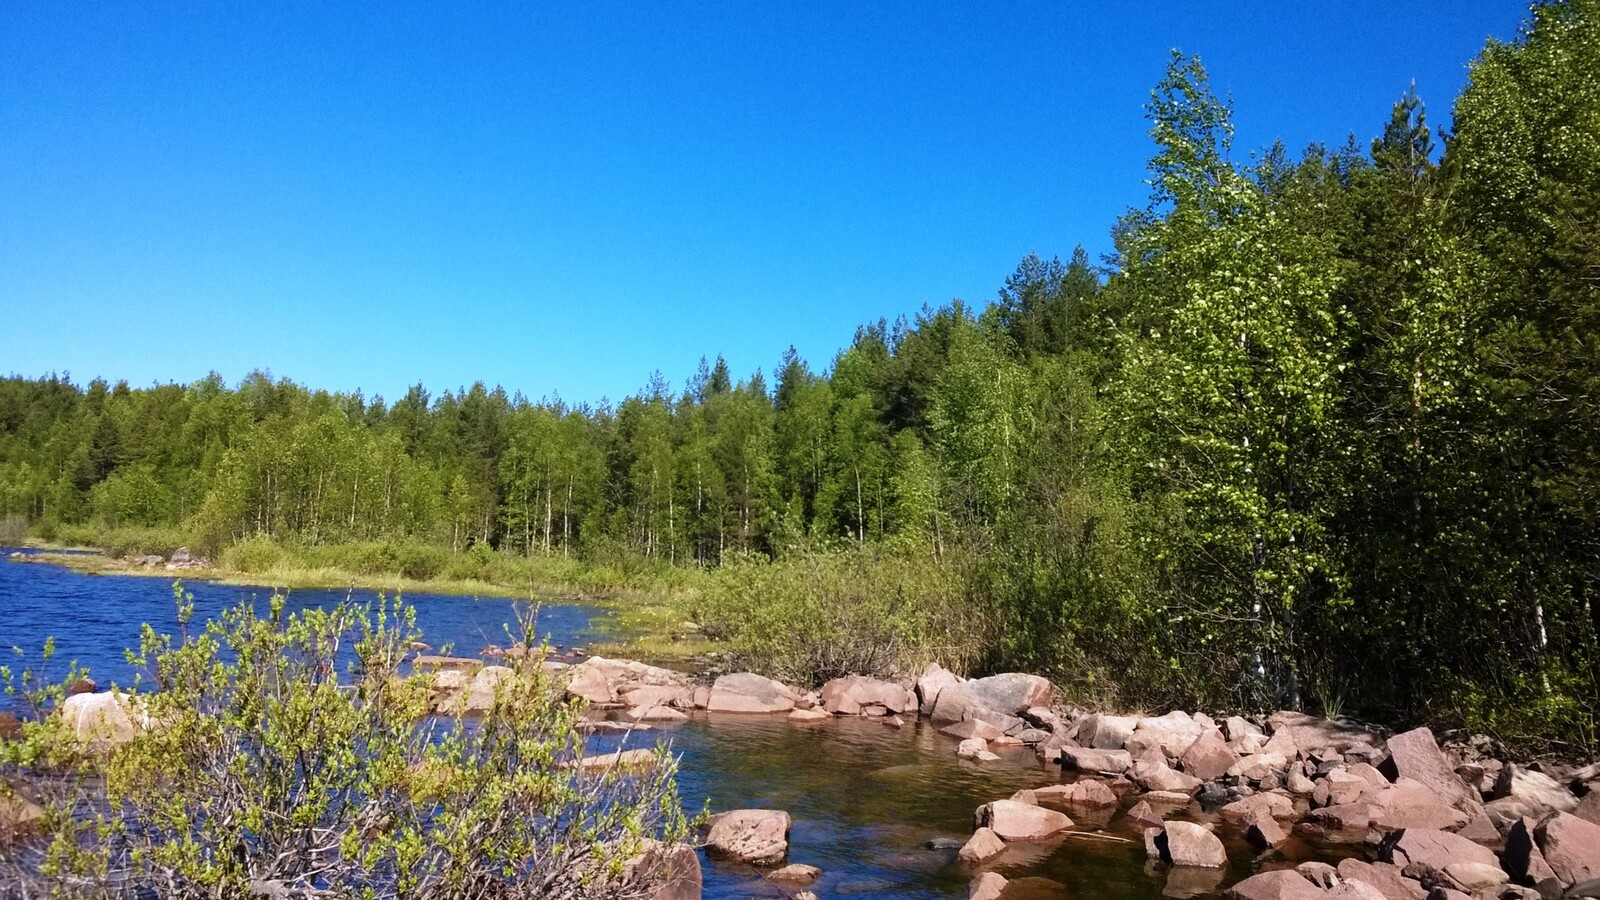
(815, 616)
(263, 757)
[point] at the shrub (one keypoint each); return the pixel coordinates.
(13, 529)
(816, 616)
(255, 555)
(268, 765)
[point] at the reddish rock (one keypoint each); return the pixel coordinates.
(1571, 846)
(1385, 877)
(1208, 757)
(1263, 831)
(1344, 817)
(1013, 821)
(983, 846)
(1435, 849)
(933, 679)
(747, 692)
(436, 663)
(1086, 793)
(808, 716)
(1012, 693)
(759, 837)
(1416, 755)
(1470, 877)
(1522, 858)
(1258, 766)
(1588, 808)
(853, 693)
(1087, 760)
(1308, 734)
(1161, 778)
(1103, 732)
(988, 886)
(1145, 816)
(795, 873)
(1284, 884)
(973, 728)
(1191, 844)
(659, 695)
(1265, 803)
(674, 870)
(590, 684)
(1481, 831)
(1339, 787)
(1173, 732)
(1354, 890)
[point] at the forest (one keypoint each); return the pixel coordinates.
(1322, 431)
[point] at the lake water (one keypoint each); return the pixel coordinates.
(865, 798)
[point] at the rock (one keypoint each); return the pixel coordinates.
(1308, 734)
(1480, 831)
(1339, 787)
(933, 679)
(973, 728)
(1355, 890)
(1208, 756)
(941, 843)
(18, 814)
(988, 886)
(747, 692)
(1103, 732)
(983, 846)
(673, 870)
(479, 694)
(10, 727)
(1145, 816)
(1416, 755)
(1538, 793)
(1013, 692)
(1434, 849)
(1153, 774)
(1344, 816)
(1298, 783)
(1042, 717)
(1263, 831)
(1588, 808)
(181, 556)
(1283, 884)
(1033, 736)
(1571, 846)
(1275, 805)
(759, 837)
(650, 695)
(973, 748)
(107, 719)
(1033, 887)
(590, 684)
(1191, 844)
(894, 722)
(851, 694)
(1319, 873)
(1173, 732)
(808, 716)
(1384, 877)
(1259, 766)
(1087, 760)
(663, 715)
(466, 664)
(1237, 728)
(1013, 821)
(795, 873)
(953, 703)
(1086, 793)
(620, 759)
(1522, 858)
(1470, 877)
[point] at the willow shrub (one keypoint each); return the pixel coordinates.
(814, 616)
(296, 751)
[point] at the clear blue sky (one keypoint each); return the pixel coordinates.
(565, 197)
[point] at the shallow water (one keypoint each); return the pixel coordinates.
(865, 797)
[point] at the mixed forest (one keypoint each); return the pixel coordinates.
(1323, 430)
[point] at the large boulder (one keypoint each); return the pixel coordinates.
(646, 696)
(1521, 792)
(1307, 734)
(1385, 877)
(1011, 820)
(933, 679)
(983, 846)
(1208, 757)
(105, 719)
(1522, 858)
(747, 692)
(1264, 803)
(1430, 849)
(759, 837)
(673, 870)
(1416, 755)
(1103, 732)
(1282, 884)
(1173, 732)
(1571, 846)
(1190, 844)
(1113, 762)
(854, 694)
(1012, 693)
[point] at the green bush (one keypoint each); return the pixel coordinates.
(13, 529)
(256, 555)
(812, 617)
(273, 764)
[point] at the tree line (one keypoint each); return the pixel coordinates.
(1323, 429)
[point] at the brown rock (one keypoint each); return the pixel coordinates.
(1012, 693)
(1208, 757)
(436, 663)
(1283, 884)
(1416, 755)
(1191, 844)
(747, 692)
(620, 759)
(756, 836)
(974, 748)
(1275, 805)
(1355, 890)
(1013, 821)
(983, 846)
(18, 815)
(1086, 793)
(1087, 760)
(1319, 873)
(853, 693)
(1571, 846)
(1339, 787)
(590, 683)
(1385, 877)
(10, 728)
(1345, 816)
(933, 680)
(1165, 779)
(1173, 732)
(658, 715)
(973, 728)
(1308, 734)
(1103, 732)
(650, 695)
(808, 716)
(1145, 816)
(1435, 849)
(988, 886)
(1588, 808)
(674, 869)
(1470, 877)
(1522, 858)
(1263, 831)
(795, 873)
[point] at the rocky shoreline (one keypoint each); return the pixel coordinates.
(1451, 822)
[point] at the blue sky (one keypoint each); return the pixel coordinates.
(561, 198)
